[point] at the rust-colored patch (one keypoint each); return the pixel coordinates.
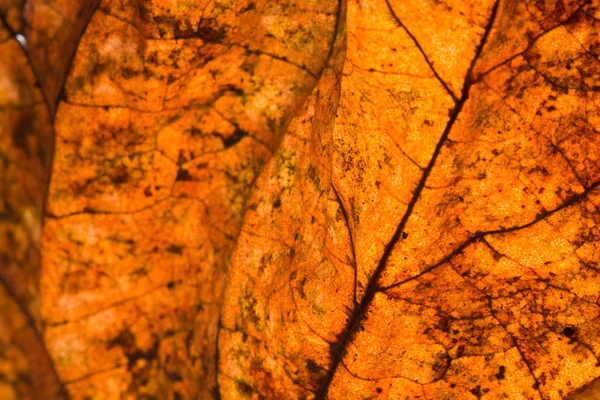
(26, 370)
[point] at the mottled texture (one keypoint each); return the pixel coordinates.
(296, 199)
(282, 242)
(11, 12)
(589, 392)
(53, 31)
(169, 112)
(457, 255)
(26, 371)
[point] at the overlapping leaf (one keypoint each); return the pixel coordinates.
(168, 113)
(403, 206)
(26, 370)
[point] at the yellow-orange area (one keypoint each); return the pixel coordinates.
(324, 199)
(451, 252)
(168, 114)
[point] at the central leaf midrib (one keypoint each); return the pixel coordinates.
(339, 349)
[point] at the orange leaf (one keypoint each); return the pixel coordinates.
(169, 112)
(300, 199)
(455, 255)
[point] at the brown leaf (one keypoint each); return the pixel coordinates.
(11, 13)
(26, 370)
(53, 31)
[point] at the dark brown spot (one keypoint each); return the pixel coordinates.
(501, 371)
(183, 175)
(175, 249)
(569, 332)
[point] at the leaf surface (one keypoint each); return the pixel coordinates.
(53, 30)
(169, 112)
(26, 370)
(456, 253)
(299, 199)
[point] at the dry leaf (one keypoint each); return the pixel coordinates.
(455, 256)
(301, 199)
(26, 370)
(168, 113)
